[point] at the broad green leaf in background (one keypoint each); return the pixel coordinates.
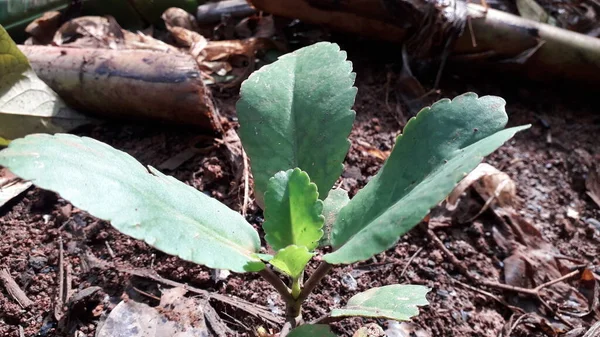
(138, 201)
(297, 112)
(398, 302)
(27, 104)
(291, 260)
(312, 330)
(336, 200)
(292, 211)
(437, 149)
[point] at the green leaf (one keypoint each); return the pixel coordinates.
(292, 211)
(296, 112)
(397, 301)
(291, 260)
(438, 148)
(27, 104)
(138, 201)
(312, 330)
(336, 200)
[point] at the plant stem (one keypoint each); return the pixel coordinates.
(314, 280)
(296, 288)
(270, 276)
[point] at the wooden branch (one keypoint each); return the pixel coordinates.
(133, 84)
(535, 50)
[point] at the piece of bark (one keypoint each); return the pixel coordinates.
(13, 289)
(536, 50)
(133, 84)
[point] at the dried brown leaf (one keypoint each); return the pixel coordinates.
(491, 183)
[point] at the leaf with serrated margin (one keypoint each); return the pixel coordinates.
(296, 112)
(438, 148)
(292, 211)
(138, 201)
(336, 200)
(291, 260)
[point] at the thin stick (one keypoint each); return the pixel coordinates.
(532, 292)
(60, 300)
(251, 308)
(269, 275)
(409, 262)
(515, 324)
(490, 295)
(14, 290)
(246, 182)
(146, 294)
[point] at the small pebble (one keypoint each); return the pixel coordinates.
(349, 282)
(593, 222)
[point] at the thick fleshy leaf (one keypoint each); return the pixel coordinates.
(292, 211)
(312, 330)
(296, 112)
(27, 104)
(437, 149)
(138, 201)
(291, 260)
(336, 200)
(397, 301)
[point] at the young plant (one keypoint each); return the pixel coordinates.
(295, 118)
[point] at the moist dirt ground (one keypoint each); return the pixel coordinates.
(549, 164)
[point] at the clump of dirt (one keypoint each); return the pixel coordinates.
(549, 164)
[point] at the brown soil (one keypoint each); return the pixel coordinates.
(549, 176)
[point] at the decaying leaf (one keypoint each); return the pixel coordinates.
(11, 186)
(90, 32)
(177, 17)
(27, 104)
(43, 28)
(175, 316)
(491, 183)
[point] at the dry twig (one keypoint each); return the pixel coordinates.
(14, 290)
(535, 292)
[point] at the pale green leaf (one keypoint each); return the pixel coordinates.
(291, 260)
(138, 201)
(296, 112)
(438, 148)
(398, 302)
(292, 211)
(336, 200)
(27, 104)
(312, 330)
